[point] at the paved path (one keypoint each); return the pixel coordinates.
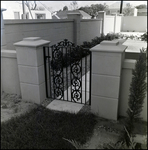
(134, 45)
(72, 107)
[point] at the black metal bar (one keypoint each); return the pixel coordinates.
(81, 76)
(85, 78)
(46, 85)
(90, 78)
(66, 72)
(53, 73)
(62, 71)
(70, 75)
(49, 65)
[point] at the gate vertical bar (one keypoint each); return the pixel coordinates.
(49, 72)
(63, 71)
(81, 76)
(53, 73)
(70, 75)
(90, 78)
(45, 68)
(85, 77)
(66, 73)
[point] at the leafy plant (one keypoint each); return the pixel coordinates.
(137, 95)
(122, 144)
(76, 144)
(144, 37)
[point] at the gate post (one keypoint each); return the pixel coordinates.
(107, 59)
(31, 68)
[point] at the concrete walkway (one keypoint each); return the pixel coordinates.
(66, 104)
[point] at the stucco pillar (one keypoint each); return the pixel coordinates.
(31, 68)
(76, 32)
(3, 38)
(102, 15)
(107, 58)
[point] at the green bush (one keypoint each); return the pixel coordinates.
(137, 95)
(98, 40)
(144, 37)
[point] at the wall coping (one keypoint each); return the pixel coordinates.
(32, 42)
(36, 21)
(109, 46)
(8, 53)
(86, 20)
(129, 64)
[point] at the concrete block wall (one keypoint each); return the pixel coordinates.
(9, 72)
(53, 30)
(126, 78)
(89, 29)
(107, 60)
(109, 24)
(134, 23)
(118, 24)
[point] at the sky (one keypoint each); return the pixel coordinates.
(57, 5)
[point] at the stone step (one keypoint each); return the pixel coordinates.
(66, 106)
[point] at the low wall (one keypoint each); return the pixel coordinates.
(126, 78)
(51, 30)
(134, 23)
(9, 72)
(89, 28)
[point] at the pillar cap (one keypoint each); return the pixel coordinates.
(109, 46)
(32, 42)
(73, 13)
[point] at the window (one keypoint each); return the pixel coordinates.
(16, 15)
(40, 16)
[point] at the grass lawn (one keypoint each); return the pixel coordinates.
(42, 128)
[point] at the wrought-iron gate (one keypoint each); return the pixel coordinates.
(68, 72)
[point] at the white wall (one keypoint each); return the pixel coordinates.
(51, 30)
(109, 24)
(134, 23)
(89, 29)
(9, 72)
(118, 24)
(126, 78)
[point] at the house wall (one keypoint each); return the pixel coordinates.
(134, 23)
(47, 14)
(52, 30)
(126, 78)
(89, 29)
(9, 14)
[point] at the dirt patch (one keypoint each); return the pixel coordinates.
(12, 106)
(109, 131)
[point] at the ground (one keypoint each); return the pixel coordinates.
(106, 131)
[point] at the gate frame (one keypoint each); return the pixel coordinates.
(47, 56)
